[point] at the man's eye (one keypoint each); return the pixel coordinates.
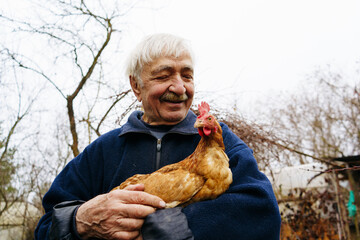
(162, 77)
(188, 76)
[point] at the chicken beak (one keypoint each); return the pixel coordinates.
(199, 123)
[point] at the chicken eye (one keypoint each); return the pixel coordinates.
(209, 118)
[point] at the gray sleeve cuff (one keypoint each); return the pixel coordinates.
(63, 221)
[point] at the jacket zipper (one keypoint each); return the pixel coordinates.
(158, 153)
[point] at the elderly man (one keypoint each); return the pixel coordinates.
(79, 204)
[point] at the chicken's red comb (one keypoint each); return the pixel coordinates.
(203, 108)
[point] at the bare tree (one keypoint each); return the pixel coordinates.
(75, 34)
(65, 55)
(8, 146)
(319, 122)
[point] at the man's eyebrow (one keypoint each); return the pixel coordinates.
(160, 69)
(188, 68)
(169, 68)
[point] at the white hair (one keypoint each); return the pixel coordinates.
(152, 47)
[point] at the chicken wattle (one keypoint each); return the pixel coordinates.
(203, 175)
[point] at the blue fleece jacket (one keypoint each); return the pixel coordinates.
(248, 210)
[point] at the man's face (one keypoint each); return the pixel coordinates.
(167, 91)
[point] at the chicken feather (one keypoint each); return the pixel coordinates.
(203, 175)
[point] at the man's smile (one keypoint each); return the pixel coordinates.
(173, 98)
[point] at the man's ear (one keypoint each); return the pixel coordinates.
(135, 87)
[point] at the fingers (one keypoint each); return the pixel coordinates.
(130, 224)
(135, 210)
(119, 214)
(137, 197)
(111, 221)
(136, 187)
(139, 237)
(126, 235)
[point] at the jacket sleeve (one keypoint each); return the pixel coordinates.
(77, 182)
(63, 225)
(247, 210)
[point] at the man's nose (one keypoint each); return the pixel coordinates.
(177, 86)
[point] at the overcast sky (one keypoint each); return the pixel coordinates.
(248, 48)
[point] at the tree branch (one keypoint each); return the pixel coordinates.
(118, 98)
(21, 65)
(70, 98)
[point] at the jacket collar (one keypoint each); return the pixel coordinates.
(136, 125)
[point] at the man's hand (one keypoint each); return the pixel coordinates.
(117, 215)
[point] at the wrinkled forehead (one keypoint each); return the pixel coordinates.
(173, 54)
(168, 64)
(183, 60)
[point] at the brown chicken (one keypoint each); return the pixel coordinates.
(205, 174)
